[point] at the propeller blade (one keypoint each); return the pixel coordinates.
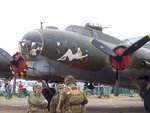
(116, 90)
(102, 47)
(136, 45)
(117, 81)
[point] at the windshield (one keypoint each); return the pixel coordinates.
(80, 30)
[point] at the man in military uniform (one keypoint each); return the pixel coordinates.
(36, 100)
(72, 99)
(55, 99)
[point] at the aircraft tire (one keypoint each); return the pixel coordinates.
(147, 100)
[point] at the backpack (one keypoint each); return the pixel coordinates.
(75, 95)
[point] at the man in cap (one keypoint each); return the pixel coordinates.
(36, 100)
(55, 99)
(72, 99)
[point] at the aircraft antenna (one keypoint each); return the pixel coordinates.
(41, 24)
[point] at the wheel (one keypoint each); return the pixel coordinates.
(147, 100)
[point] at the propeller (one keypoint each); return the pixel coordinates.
(131, 49)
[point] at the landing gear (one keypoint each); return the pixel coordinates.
(147, 100)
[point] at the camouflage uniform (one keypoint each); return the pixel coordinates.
(64, 106)
(55, 100)
(37, 102)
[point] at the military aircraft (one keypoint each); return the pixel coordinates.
(86, 53)
(5, 58)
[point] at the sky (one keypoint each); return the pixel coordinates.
(125, 18)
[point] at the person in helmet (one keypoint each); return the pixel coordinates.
(69, 80)
(72, 99)
(55, 99)
(36, 100)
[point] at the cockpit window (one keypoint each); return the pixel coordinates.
(75, 29)
(80, 30)
(87, 32)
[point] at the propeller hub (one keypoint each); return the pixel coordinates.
(124, 61)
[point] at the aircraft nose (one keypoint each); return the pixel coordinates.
(33, 36)
(31, 45)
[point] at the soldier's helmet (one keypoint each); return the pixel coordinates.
(37, 85)
(69, 79)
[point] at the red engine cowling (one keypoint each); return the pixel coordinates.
(125, 61)
(18, 66)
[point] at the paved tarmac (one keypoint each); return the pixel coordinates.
(111, 105)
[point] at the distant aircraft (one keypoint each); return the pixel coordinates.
(88, 54)
(5, 58)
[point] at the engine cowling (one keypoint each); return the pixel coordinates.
(125, 61)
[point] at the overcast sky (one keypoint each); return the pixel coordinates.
(125, 18)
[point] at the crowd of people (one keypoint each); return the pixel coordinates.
(8, 92)
(8, 89)
(68, 98)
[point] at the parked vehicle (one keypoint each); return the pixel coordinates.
(2, 87)
(29, 85)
